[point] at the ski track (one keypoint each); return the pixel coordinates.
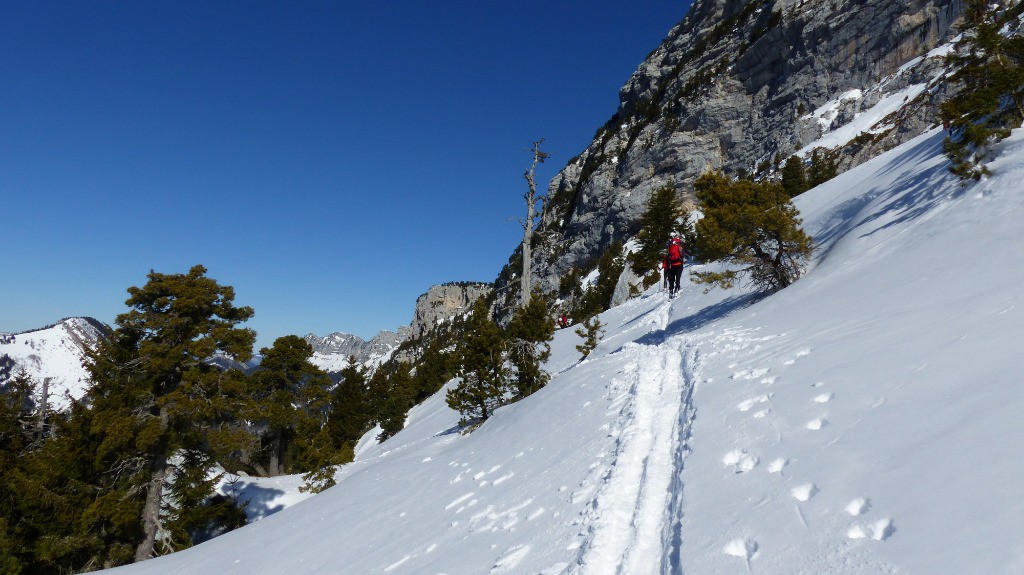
(632, 524)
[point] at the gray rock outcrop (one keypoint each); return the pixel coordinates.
(740, 86)
(443, 302)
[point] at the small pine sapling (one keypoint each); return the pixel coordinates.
(591, 336)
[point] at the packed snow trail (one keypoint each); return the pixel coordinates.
(630, 521)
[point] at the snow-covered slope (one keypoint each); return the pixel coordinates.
(864, 420)
(55, 352)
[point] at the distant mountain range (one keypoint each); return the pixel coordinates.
(332, 352)
(54, 353)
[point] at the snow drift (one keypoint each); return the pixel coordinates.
(864, 420)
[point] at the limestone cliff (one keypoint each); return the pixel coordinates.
(740, 86)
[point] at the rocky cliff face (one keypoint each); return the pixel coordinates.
(740, 86)
(443, 302)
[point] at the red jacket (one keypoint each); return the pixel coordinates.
(675, 253)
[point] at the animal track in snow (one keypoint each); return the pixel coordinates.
(761, 414)
(824, 398)
(816, 424)
(777, 465)
(750, 403)
(493, 519)
(858, 506)
(743, 548)
(510, 558)
(799, 354)
(740, 460)
(804, 492)
(878, 531)
(459, 500)
(750, 373)
(396, 564)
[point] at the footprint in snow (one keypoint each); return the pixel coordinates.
(816, 424)
(824, 398)
(459, 500)
(777, 465)
(398, 563)
(878, 531)
(745, 549)
(740, 460)
(748, 404)
(750, 373)
(858, 506)
(510, 558)
(804, 492)
(799, 354)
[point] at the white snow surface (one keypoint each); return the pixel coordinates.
(866, 419)
(55, 353)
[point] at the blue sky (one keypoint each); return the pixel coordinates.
(330, 160)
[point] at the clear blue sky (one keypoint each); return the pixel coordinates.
(330, 160)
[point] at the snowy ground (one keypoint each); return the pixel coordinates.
(54, 353)
(864, 420)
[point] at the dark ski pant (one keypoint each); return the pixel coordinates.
(672, 276)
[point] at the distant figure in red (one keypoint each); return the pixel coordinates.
(675, 255)
(563, 321)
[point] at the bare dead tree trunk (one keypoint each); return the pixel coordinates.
(275, 455)
(44, 397)
(528, 224)
(160, 471)
(151, 510)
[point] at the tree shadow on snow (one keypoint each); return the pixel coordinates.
(909, 198)
(701, 318)
(258, 500)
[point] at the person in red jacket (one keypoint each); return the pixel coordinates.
(675, 255)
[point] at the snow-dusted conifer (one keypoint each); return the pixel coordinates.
(485, 378)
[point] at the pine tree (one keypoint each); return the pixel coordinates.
(16, 439)
(351, 412)
(395, 394)
(286, 389)
(155, 394)
(754, 225)
(436, 367)
(794, 177)
(591, 336)
(529, 335)
(599, 297)
(485, 379)
(657, 222)
(990, 100)
(822, 169)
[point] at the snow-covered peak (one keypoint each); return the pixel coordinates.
(54, 353)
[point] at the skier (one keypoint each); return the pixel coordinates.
(675, 255)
